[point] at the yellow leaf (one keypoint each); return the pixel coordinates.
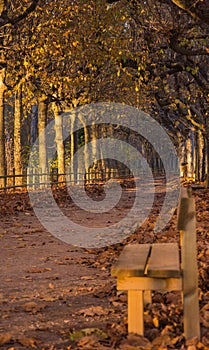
(155, 322)
(75, 43)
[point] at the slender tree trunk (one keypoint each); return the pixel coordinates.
(182, 155)
(199, 158)
(86, 147)
(59, 142)
(2, 140)
(25, 139)
(189, 155)
(34, 124)
(196, 156)
(17, 137)
(86, 151)
(111, 164)
(9, 158)
(100, 163)
(207, 152)
(93, 168)
(73, 149)
(42, 117)
(3, 65)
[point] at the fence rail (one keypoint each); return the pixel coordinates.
(37, 180)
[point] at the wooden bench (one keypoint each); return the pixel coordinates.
(142, 268)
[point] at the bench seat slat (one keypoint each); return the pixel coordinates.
(132, 261)
(164, 261)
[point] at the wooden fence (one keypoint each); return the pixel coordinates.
(36, 179)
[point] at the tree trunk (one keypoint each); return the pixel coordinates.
(9, 158)
(17, 137)
(207, 152)
(34, 124)
(42, 117)
(189, 154)
(199, 157)
(86, 151)
(59, 143)
(93, 167)
(86, 147)
(74, 176)
(182, 155)
(2, 140)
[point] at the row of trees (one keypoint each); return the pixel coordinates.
(57, 55)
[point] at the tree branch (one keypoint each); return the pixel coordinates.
(174, 45)
(5, 19)
(198, 9)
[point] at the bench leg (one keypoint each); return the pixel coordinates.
(136, 312)
(191, 315)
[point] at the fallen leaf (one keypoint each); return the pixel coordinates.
(161, 341)
(155, 322)
(38, 269)
(58, 262)
(76, 335)
(134, 341)
(33, 307)
(29, 342)
(89, 342)
(5, 338)
(87, 278)
(191, 347)
(93, 311)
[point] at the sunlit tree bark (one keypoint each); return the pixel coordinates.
(8, 17)
(17, 137)
(74, 171)
(42, 119)
(2, 140)
(59, 142)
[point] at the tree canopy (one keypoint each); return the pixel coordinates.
(151, 54)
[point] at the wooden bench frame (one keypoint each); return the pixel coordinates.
(142, 268)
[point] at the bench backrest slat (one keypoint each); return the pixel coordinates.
(186, 225)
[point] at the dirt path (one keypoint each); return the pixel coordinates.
(44, 282)
(50, 290)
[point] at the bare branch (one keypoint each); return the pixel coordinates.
(187, 52)
(198, 9)
(5, 19)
